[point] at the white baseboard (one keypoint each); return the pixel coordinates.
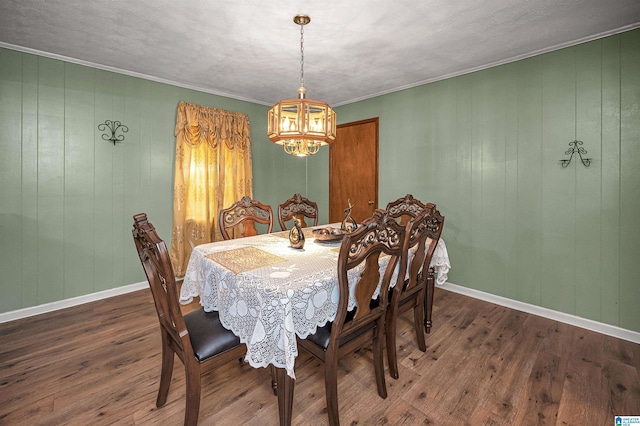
(610, 330)
(588, 324)
(74, 301)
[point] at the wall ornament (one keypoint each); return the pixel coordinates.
(576, 149)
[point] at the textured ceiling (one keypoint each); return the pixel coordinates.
(354, 49)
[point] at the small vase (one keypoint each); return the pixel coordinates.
(296, 236)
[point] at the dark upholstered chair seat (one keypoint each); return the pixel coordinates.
(208, 337)
(322, 334)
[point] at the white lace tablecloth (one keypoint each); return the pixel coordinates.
(268, 306)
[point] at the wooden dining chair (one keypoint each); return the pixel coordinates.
(297, 207)
(406, 208)
(412, 291)
(435, 226)
(360, 258)
(197, 338)
(245, 213)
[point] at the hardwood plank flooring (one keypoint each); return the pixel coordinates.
(99, 364)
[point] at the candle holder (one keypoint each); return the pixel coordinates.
(575, 149)
(114, 126)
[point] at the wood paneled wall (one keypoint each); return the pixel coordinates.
(67, 197)
(486, 148)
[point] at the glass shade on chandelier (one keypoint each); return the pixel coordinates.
(301, 125)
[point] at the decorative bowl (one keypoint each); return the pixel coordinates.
(328, 234)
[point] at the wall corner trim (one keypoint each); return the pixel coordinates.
(599, 327)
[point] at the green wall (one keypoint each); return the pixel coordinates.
(67, 197)
(486, 148)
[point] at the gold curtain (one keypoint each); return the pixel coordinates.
(213, 170)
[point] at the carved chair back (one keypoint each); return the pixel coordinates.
(297, 207)
(412, 290)
(406, 208)
(423, 232)
(435, 225)
(245, 213)
(377, 236)
(362, 253)
(156, 263)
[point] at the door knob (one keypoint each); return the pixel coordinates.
(370, 202)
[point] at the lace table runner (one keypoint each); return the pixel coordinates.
(245, 259)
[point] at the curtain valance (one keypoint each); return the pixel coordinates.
(196, 124)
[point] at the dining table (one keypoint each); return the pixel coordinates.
(270, 294)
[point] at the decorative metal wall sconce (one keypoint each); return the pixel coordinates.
(575, 149)
(113, 126)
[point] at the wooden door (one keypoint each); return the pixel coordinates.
(353, 170)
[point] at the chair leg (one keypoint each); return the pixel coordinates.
(285, 386)
(274, 381)
(192, 409)
(378, 358)
(428, 300)
(166, 372)
(418, 320)
(390, 336)
(331, 387)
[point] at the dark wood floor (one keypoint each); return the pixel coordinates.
(99, 364)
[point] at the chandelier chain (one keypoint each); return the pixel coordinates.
(301, 55)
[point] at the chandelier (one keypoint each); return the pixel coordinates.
(301, 125)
